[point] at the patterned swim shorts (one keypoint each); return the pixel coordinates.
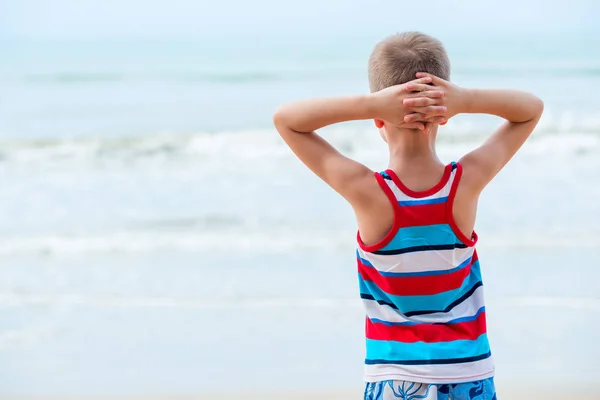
(393, 390)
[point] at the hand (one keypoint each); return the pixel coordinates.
(455, 99)
(388, 104)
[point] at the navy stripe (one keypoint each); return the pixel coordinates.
(451, 306)
(431, 362)
(422, 248)
(381, 302)
(385, 175)
(413, 313)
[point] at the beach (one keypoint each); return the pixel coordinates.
(579, 394)
(159, 240)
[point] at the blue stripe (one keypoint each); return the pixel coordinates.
(428, 235)
(391, 350)
(438, 361)
(422, 202)
(407, 304)
(420, 273)
(454, 321)
(378, 295)
(462, 298)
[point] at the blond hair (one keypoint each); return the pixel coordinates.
(397, 58)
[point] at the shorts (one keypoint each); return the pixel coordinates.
(394, 390)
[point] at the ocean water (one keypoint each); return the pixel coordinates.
(157, 237)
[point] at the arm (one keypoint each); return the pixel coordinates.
(298, 121)
(521, 111)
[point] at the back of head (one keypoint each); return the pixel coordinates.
(397, 58)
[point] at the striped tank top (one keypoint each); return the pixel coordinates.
(422, 289)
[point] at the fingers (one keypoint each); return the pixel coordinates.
(434, 79)
(437, 120)
(432, 93)
(430, 110)
(420, 118)
(414, 117)
(413, 86)
(420, 102)
(423, 79)
(414, 125)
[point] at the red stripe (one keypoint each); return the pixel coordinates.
(422, 215)
(428, 333)
(415, 285)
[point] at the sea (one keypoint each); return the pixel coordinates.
(158, 238)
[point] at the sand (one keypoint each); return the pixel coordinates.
(349, 395)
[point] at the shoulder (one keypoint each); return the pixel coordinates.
(472, 175)
(366, 189)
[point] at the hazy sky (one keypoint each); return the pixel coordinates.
(202, 18)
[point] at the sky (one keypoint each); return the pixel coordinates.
(202, 18)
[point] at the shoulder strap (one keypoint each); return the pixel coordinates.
(454, 182)
(385, 183)
(441, 190)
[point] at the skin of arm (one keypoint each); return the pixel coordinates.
(297, 122)
(521, 110)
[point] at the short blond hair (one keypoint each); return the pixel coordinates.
(397, 58)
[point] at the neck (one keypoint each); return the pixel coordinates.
(410, 147)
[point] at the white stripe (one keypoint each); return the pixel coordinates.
(443, 373)
(467, 308)
(418, 261)
(443, 192)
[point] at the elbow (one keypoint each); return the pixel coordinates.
(280, 118)
(539, 107)
(277, 116)
(535, 110)
(283, 119)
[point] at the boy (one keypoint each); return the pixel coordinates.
(419, 273)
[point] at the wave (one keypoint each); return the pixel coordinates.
(579, 138)
(21, 299)
(248, 240)
(208, 221)
(577, 303)
(154, 240)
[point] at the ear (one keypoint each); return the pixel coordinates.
(378, 123)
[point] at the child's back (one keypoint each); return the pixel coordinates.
(419, 273)
(422, 290)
